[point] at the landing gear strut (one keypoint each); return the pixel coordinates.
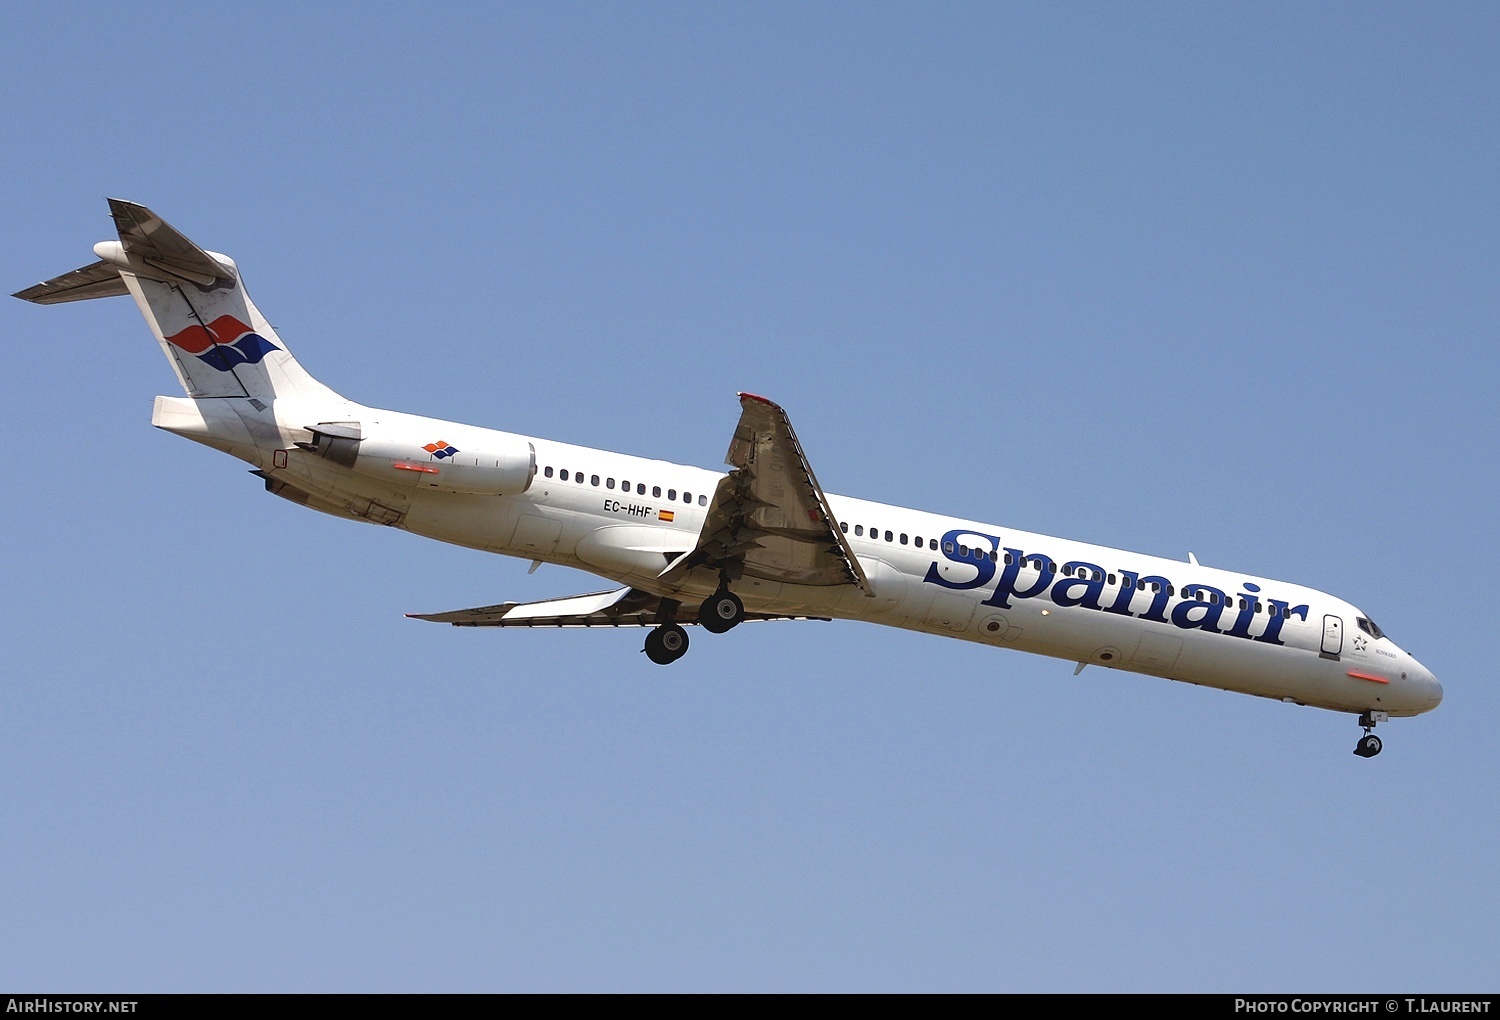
(721, 611)
(1369, 744)
(666, 644)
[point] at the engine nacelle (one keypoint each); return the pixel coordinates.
(417, 455)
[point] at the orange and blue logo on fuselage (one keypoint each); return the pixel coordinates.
(440, 449)
(223, 343)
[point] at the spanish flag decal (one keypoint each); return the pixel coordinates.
(665, 515)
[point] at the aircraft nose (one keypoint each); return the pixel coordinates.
(1430, 691)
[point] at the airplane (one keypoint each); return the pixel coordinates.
(687, 546)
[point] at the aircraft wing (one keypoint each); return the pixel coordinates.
(769, 518)
(622, 607)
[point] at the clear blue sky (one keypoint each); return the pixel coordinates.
(1219, 278)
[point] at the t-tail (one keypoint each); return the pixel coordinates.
(217, 341)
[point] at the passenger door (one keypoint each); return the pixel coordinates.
(1333, 636)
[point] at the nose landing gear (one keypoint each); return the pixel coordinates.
(1369, 745)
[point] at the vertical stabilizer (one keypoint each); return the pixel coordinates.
(195, 303)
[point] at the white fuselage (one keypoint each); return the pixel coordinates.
(929, 572)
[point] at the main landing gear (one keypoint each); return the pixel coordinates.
(1369, 744)
(721, 611)
(668, 642)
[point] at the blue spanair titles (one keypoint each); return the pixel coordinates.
(1019, 575)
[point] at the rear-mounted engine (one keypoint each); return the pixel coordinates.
(475, 460)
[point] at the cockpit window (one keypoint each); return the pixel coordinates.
(1368, 626)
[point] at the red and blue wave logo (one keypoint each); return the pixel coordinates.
(223, 343)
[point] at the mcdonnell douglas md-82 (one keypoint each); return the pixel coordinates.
(762, 541)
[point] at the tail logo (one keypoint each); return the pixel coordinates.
(440, 449)
(223, 344)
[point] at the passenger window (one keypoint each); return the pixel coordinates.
(844, 526)
(1008, 559)
(563, 474)
(609, 483)
(671, 493)
(889, 537)
(903, 538)
(702, 500)
(948, 547)
(917, 541)
(594, 481)
(932, 544)
(1111, 578)
(624, 485)
(859, 529)
(547, 472)
(656, 491)
(640, 488)
(687, 497)
(578, 477)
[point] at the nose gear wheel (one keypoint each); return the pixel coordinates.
(1369, 745)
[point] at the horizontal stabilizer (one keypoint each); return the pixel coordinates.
(148, 237)
(149, 246)
(93, 281)
(622, 607)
